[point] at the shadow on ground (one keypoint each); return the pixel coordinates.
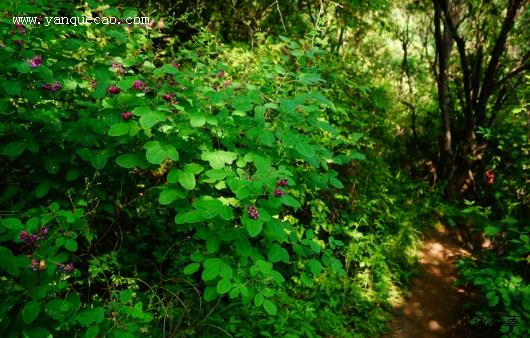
(433, 307)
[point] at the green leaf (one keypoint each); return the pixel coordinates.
(270, 307)
(315, 246)
(14, 149)
(13, 224)
(304, 149)
(171, 152)
(210, 293)
(336, 183)
(119, 129)
(290, 201)
(243, 246)
(92, 332)
(217, 174)
(71, 244)
(187, 180)
(12, 88)
(72, 174)
(491, 230)
(309, 78)
(155, 154)
(125, 295)
(306, 280)
(51, 165)
(141, 110)
(191, 268)
(7, 261)
(42, 189)
(30, 311)
(148, 120)
(315, 266)
(223, 286)
(89, 316)
(197, 120)
(493, 299)
(127, 161)
(211, 268)
(193, 168)
(254, 228)
(99, 160)
(168, 196)
(258, 299)
(37, 332)
(218, 159)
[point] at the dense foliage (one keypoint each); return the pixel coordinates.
(258, 179)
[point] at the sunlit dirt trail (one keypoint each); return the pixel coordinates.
(433, 307)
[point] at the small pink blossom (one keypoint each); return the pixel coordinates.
(21, 28)
(52, 87)
(35, 61)
(113, 90)
(139, 85)
(118, 68)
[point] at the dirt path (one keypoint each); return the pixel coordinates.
(433, 308)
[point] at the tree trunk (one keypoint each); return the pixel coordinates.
(444, 43)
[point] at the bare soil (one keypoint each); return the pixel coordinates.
(433, 307)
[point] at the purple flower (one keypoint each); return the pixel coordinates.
(118, 68)
(126, 115)
(278, 192)
(139, 85)
(253, 212)
(113, 90)
(35, 61)
(65, 267)
(23, 236)
(56, 86)
(34, 265)
(176, 65)
(21, 28)
(43, 232)
(52, 87)
(221, 74)
(282, 183)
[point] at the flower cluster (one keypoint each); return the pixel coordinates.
(126, 115)
(118, 68)
(113, 90)
(33, 238)
(21, 29)
(66, 268)
(38, 265)
(139, 85)
(35, 61)
(35, 265)
(277, 191)
(52, 87)
(253, 212)
(170, 97)
(490, 177)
